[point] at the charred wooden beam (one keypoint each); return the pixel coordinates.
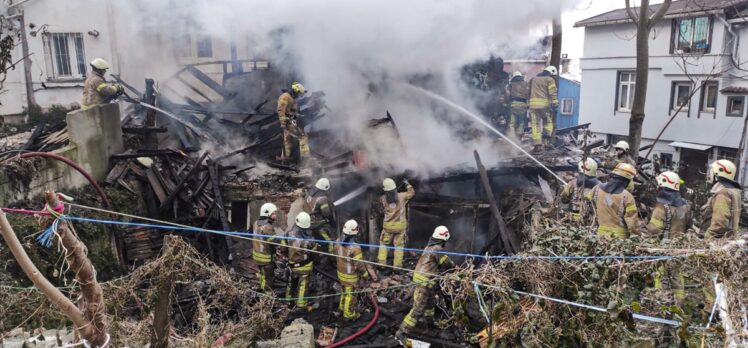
(183, 181)
(149, 141)
(152, 153)
(572, 128)
(212, 84)
(509, 240)
(143, 130)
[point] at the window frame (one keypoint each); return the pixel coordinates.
(631, 86)
(203, 42)
(730, 98)
(673, 96)
(675, 35)
(666, 160)
(570, 101)
(75, 67)
(704, 93)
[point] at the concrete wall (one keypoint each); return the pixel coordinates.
(611, 49)
(95, 135)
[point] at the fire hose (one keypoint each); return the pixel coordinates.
(72, 164)
(363, 330)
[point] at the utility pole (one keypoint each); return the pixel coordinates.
(30, 97)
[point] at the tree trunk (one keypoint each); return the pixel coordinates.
(30, 97)
(642, 75)
(556, 44)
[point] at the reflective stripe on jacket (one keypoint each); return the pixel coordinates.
(287, 107)
(721, 213)
(262, 252)
(429, 263)
(395, 219)
(348, 268)
(543, 92)
(616, 212)
(96, 90)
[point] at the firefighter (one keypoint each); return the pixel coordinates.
(349, 270)
(670, 217)
(430, 263)
(288, 114)
(95, 89)
(574, 192)
(543, 104)
(615, 207)
(320, 208)
(721, 213)
(519, 92)
(300, 260)
(622, 156)
(262, 253)
(395, 222)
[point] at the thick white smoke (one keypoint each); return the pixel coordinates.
(342, 47)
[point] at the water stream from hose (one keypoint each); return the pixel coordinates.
(480, 120)
(350, 195)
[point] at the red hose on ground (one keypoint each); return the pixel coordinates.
(75, 166)
(363, 329)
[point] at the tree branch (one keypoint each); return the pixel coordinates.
(631, 13)
(660, 12)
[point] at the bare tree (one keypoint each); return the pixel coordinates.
(556, 44)
(644, 21)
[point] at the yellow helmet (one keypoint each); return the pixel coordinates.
(724, 168)
(588, 167)
(298, 88)
(625, 170)
(100, 64)
(669, 180)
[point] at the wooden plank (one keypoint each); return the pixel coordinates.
(510, 241)
(215, 182)
(183, 181)
(119, 170)
(155, 185)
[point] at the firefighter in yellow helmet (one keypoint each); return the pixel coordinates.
(288, 113)
(320, 208)
(349, 271)
(430, 263)
(395, 222)
(671, 217)
(262, 253)
(622, 156)
(95, 89)
(300, 259)
(543, 104)
(580, 210)
(721, 213)
(519, 92)
(615, 207)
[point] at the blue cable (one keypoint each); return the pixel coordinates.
(450, 253)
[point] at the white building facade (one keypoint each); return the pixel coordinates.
(694, 51)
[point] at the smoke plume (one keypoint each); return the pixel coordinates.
(359, 53)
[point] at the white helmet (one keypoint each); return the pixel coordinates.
(100, 64)
(724, 168)
(517, 74)
(388, 184)
(552, 69)
(268, 209)
(670, 180)
(441, 233)
(323, 184)
(303, 220)
(350, 228)
(622, 145)
(588, 167)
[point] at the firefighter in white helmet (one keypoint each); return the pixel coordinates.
(288, 115)
(300, 259)
(319, 206)
(262, 252)
(395, 222)
(432, 260)
(721, 213)
(621, 156)
(95, 88)
(615, 207)
(543, 105)
(349, 270)
(580, 209)
(671, 217)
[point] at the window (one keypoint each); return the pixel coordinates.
(65, 55)
(709, 97)
(681, 95)
(567, 106)
(204, 47)
(691, 35)
(735, 105)
(666, 160)
(626, 84)
(728, 154)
